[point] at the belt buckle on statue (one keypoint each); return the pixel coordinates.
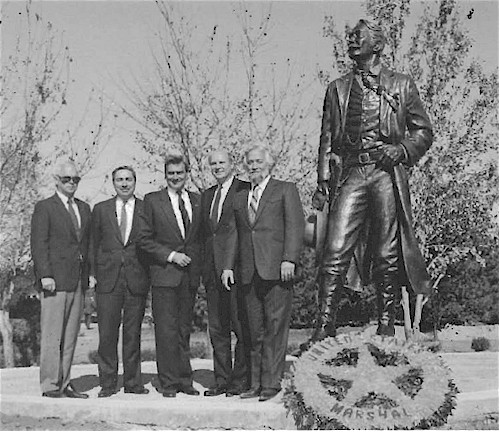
(364, 158)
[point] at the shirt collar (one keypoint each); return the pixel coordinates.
(262, 185)
(64, 198)
(128, 202)
(172, 192)
(227, 183)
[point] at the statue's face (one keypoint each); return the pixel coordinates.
(360, 43)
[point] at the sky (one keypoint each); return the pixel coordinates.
(111, 44)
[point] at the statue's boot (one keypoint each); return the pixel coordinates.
(386, 294)
(330, 294)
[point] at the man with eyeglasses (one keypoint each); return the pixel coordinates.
(60, 229)
(122, 277)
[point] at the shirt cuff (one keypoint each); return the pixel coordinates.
(170, 258)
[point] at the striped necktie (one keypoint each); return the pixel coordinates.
(185, 217)
(254, 204)
(73, 217)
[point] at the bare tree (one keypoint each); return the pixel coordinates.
(34, 94)
(197, 101)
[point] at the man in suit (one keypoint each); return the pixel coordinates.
(374, 124)
(59, 248)
(224, 306)
(266, 235)
(122, 283)
(170, 236)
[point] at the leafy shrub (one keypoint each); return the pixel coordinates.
(480, 344)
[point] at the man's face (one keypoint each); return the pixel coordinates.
(67, 180)
(220, 166)
(124, 184)
(257, 165)
(176, 176)
(360, 43)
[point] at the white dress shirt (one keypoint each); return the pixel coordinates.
(174, 199)
(129, 209)
(64, 200)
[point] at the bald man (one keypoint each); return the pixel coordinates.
(59, 246)
(225, 313)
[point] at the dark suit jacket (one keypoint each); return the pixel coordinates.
(159, 235)
(408, 125)
(276, 236)
(214, 241)
(109, 254)
(56, 251)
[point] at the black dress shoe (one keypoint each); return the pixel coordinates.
(72, 393)
(235, 391)
(137, 390)
(189, 390)
(169, 393)
(267, 394)
(106, 393)
(215, 391)
(53, 394)
(252, 393)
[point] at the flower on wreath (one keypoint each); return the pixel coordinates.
(356, 381)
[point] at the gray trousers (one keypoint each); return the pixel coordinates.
(60, 323)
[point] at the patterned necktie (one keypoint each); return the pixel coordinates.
(73, 217)
(123, 222)
(184, 214)
(254, 204)
(214, 215)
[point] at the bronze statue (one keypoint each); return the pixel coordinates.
(374, 126)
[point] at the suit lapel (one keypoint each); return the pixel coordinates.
(168, 209)
(268, 191)
(135, 220)
(229, 199)
(344, 85)
(113, 218)
(195, 207)
(64, 214)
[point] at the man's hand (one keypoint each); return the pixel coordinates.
(320, 195)
(392, 154)
(287, 271)
(48, 284)
(92, 282)
(227, 278)
(181, 259)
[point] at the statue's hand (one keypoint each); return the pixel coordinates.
(392, 154)
(320, 195)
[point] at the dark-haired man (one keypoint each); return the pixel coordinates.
(374, 124)
(122, 275)
(59, 247)
(170, 236)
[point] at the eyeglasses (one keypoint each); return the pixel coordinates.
(67, 179)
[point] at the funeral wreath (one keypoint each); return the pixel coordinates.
(356, 381)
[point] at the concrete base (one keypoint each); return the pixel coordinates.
(476, 375)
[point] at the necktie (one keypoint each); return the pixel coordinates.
(254, 204)
(73, 217)
(123, 222)
(214, 215)
(184, 214)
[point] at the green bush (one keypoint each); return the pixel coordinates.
(480, 344)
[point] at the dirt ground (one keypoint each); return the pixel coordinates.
(453, 339)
